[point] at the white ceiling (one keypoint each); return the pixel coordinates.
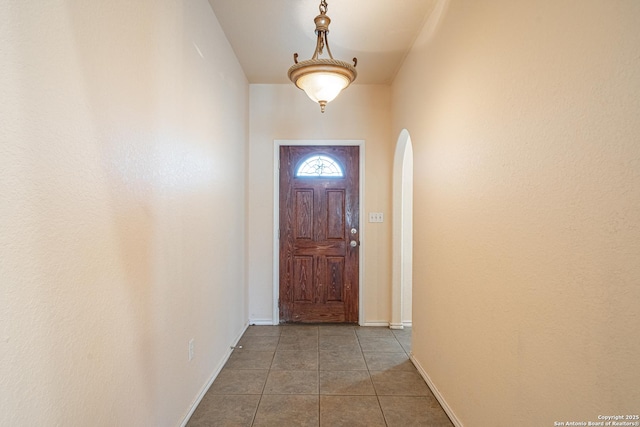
(265, 34)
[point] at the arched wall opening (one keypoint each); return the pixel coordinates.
(401, 294)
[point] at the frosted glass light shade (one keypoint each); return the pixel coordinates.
(322, 86)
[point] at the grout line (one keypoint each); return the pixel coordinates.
(255, 414)
(319, 404)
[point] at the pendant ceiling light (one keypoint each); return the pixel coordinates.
(322, 79)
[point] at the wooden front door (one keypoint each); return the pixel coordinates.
(319, 233)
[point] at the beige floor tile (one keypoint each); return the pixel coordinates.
(261, 330)
(351, 383)
(327, 375)
(405, 343)
(388, 361)
(399, 383)
(373, 331)
(292, 382)
(295, 360)
(245, 359)
(285, 411)
(336, 330)
(225, 411)
(350, 411)
(341, 361)
(299, 330)
(381, 344)
(406, 332)
(298, 342)
(258, 342)
(402, 411)
(239, 381)
(339, 343)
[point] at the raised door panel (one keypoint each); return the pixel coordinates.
(303, 279)
(335, 214)
(335, 279)
(303, 214)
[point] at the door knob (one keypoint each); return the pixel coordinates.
(353, 243)
(354, 231)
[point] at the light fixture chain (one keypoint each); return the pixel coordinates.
(323, 7)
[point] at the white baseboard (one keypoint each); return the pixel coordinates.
(213, 377)
(456, 422)
(396, 326)
(261, 322)
(407, 323)
(375, 324)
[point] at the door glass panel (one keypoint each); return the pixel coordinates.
(319, 165)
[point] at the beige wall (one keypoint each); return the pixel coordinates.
(121, 209)
(524, 120)
(283, 112)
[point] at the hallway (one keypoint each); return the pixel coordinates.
(326, 375)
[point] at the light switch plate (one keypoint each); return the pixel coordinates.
(376, 217)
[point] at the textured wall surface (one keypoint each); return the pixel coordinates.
(525, 122)
(361, 112)
(121, 209)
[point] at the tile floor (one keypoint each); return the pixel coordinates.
(320, 375)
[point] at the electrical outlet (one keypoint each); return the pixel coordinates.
(376, 217)
(190, 349)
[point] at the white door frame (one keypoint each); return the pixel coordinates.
(276, 217)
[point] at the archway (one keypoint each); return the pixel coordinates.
(402, 267)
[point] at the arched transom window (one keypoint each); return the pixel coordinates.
(319, 165)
